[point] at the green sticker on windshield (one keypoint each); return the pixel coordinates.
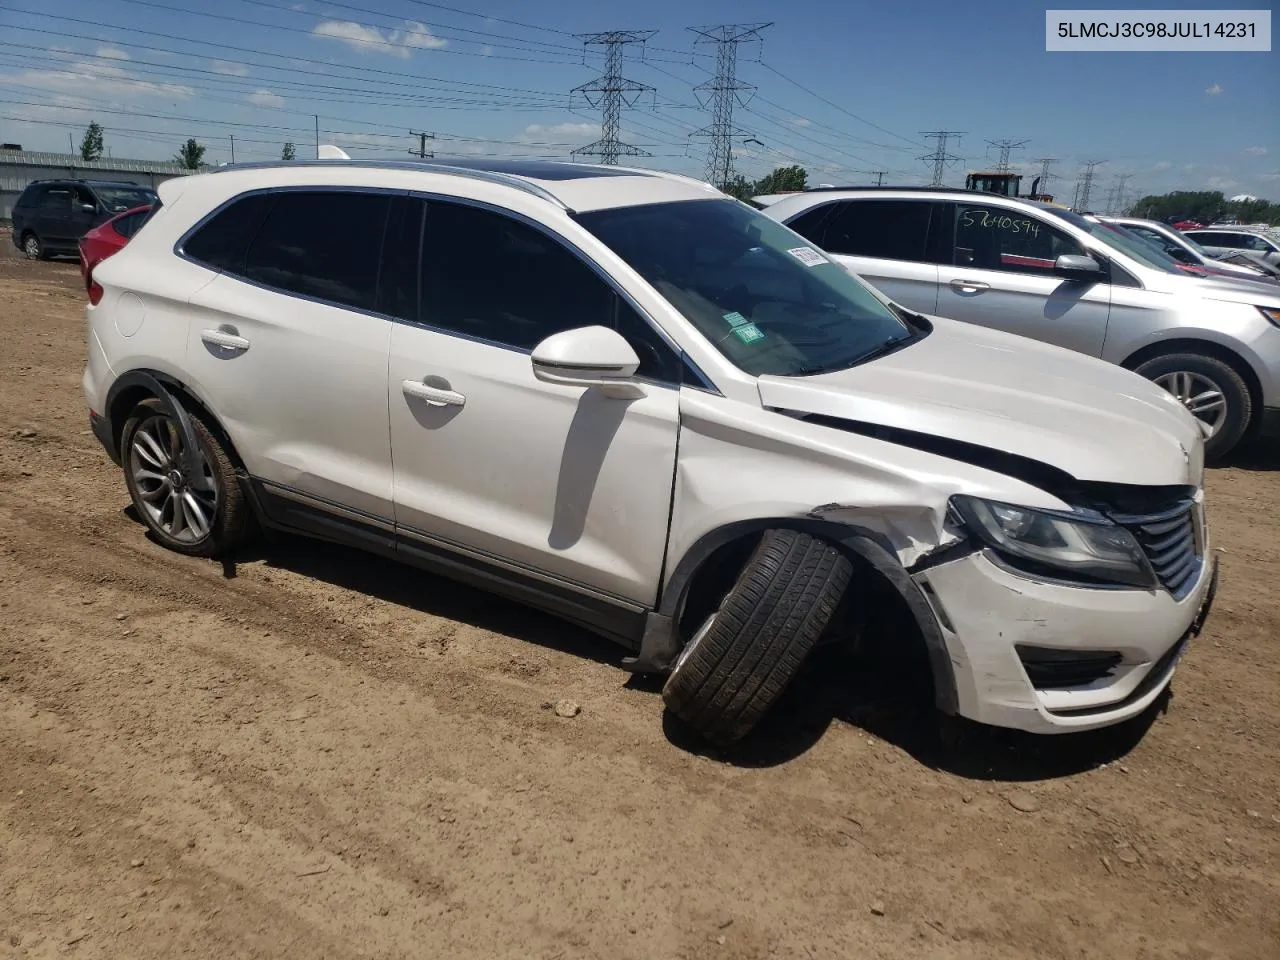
(735, 319)
(749, 333)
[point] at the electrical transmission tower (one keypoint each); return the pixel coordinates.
(1005, 147)
(724, 90)
(878, 174)
(1085, 185)
(1115, 204)
(1043, 179)
(610, 92)
(940, 158)
(421, 153)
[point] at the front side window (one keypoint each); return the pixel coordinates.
(489, 276)
(998, 238)
(887, 229)
(765, 298)
(1121, 239)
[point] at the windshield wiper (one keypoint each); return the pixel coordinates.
(887, 346)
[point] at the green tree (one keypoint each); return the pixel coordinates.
(289, 152)
(783, 180)
(739, 186)
(191, 155)
(91, 145)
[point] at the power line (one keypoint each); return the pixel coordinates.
(878, 174)
(725, 90)
(611, 91)
(940, 158)
(1002, 165)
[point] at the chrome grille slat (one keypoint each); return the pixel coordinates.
(1168, 538)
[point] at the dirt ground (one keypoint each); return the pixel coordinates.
(312, 753)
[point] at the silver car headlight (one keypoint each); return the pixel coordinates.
(1080, 548)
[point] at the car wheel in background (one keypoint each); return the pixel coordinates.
(32, 247)
(1211, 390)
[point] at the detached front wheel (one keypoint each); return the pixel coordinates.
(741, 659)
(1211, 390)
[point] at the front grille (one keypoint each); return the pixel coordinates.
(1171, 544)
(1051, 669)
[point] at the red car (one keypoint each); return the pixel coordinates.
(105, 239)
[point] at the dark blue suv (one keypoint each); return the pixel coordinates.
(52, 215)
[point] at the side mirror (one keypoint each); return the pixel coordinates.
(88, 208)
(1076, 266)
(587, 357)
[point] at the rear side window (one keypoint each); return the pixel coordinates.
(30, 198)
(56, 200)
(128, 226)
(887, 229)
(322, 244)
(223, 239)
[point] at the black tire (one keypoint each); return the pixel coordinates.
(32, 248)
(232, 521)
(733, 671)
(1239, 410)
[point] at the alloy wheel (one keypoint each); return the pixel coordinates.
(31, 247)
(181, 507)
(1200, 395)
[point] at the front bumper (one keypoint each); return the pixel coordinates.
(987, 613)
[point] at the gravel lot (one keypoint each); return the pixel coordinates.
(313, 753)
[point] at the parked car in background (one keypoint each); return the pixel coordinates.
(625, 398)
(50, 216)
(1178, 223)
(1219, 241)
(1189, 254)
(104, 240)
(1050, 274)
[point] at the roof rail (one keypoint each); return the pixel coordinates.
(888, 186)
(489, 176)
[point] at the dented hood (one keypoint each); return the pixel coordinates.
(1091, 419)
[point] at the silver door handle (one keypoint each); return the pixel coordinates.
(432, 395)
(969, 286)
(220, 338)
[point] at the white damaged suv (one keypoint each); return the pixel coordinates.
(624, 398)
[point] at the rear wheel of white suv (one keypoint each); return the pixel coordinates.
(1211, 390)
(201, 512)
(743, 656)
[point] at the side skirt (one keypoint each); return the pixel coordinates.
(290, 511)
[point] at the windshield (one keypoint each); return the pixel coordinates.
(770, 302)
(125, 197)
(1120, 238)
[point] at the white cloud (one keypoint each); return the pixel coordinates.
(113, 53)
(104, 79)
(265, 98)
(801, 121)
(486, 51)
(1214, 90)
(1222, 183)
(230, 68)
(1163, 165)
(582, 131)
(368, 39)
(1256, 151)
(298, 7)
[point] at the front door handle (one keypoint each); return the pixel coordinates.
(220, 338)
(432, 395)
(969, 286)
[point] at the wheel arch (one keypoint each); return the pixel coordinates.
(180, 400)
(1209, 348)
(713, 559)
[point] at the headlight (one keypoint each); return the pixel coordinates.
(1272, 314)
(1058, 545)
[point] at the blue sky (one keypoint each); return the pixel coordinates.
(840, 88)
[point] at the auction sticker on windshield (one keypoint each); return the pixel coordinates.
(749, 333)
(808, 256)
